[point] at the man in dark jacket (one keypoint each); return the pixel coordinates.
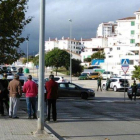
(134, 90)
(52, 89)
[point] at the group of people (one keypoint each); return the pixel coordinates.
(10, 93)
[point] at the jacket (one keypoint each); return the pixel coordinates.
(15, 88)
(30, 88)
(52, 89)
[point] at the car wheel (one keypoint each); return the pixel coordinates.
(84, 96)
(103, 87)
(115, 88)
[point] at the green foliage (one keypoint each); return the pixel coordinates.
(30, 59)
(12, 23)
(76, 67)
(136, 72)
(87, 60)
(57, 58)
(36, 60)
(98, 55)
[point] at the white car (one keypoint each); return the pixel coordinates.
(107, 74)
(117, 84)
(58, 79)
(126, 76)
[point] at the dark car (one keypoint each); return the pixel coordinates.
(129, 91)
(73, 90)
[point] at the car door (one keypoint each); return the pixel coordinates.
(73, 90)
(62, 90)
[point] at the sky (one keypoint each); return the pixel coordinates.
(86, 15)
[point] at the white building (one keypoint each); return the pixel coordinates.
(106, 29)
(63, 44)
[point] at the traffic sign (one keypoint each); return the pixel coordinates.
(125, 65)
(125, 62)
(37, 66)
(125, 69)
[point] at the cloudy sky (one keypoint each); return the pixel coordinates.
(86, 15)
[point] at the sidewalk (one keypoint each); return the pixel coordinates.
(21, 129)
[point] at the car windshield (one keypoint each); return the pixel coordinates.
(84, 74)
(14, 68)
(106, 72)
(94, 74)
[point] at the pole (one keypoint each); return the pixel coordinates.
(70, 50)
(124, 87)
(40, 123)
(27, 53)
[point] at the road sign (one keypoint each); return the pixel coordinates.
(125, 65)
(125, 62)
(37, 66)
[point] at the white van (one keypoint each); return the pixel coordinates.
(107, 74)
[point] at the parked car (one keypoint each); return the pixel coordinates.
(129, 91)
(93, 75)
(73, 90)
(117, 84)
(107, 74)
(83, 76)
(126, 76)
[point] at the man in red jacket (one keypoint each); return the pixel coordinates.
(30, 88)
(52, 89)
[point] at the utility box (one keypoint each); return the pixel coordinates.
(26, 70)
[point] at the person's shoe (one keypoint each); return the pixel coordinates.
(55, 121)
(29, 117)
(35, 117)
(16, 117)
(10, 116)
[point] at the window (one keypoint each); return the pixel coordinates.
(132, 32)
(132, 23)
(62, 86)
(131, 62)
(110, 49)
(72, 86)
(110, 56)
(132, 41)
(118, 48)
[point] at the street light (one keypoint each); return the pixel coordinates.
(27, 40)
(70, 51)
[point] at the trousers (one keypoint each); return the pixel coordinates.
(13, 106)
(51, 104)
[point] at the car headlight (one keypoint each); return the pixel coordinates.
(90, 90)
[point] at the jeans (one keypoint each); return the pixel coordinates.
(31, 105)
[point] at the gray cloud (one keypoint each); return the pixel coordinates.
(86, 15)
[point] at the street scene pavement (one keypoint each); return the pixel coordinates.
(108, 116)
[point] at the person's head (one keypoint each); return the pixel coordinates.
(29, 77)
(16, 76)
(5, 75)
(51, 77)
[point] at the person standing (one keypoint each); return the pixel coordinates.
(134, 90)
(31, 90)
(15, 93)
(99, 83)
(52, 89)
(5, 92)
(1, 100)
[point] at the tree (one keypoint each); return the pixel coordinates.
(98, 55)
(87, 60)
(76, 67)
(12, 23)
(136, 72)
(57, 58)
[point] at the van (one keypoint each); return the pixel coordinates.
(94, 75)
(107, 74)
(83, 76)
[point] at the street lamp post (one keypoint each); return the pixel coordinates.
(70, 50)
(40, 123)
(27, 40)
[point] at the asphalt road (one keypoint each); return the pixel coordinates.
(108, 115)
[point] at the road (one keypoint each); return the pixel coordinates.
(105, 116)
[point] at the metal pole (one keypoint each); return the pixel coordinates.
(40, 123)
(27, 52)
(124, 87)
(70, 50)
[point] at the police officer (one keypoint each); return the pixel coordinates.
(134, 90)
